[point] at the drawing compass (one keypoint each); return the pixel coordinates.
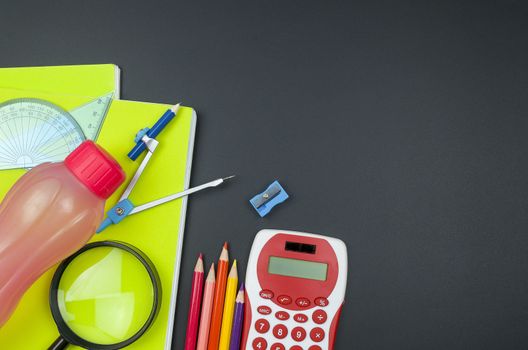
(146, 140)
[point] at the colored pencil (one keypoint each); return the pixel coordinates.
(207, 307)
(238, 321)
(218, 303)
(194, 308)
(229, 308)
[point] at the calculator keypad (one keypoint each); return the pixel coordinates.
(280, 331)
(266, 294)
(264, 310)
(317, 334)
(284, 299)
(321, 301)
(303, 302)
(262, 326)
(282, 315)
(298, 334)
(260, 344)
(274, 324)
(319, 316)
(301, 318)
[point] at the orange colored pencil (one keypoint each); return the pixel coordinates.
(195, 303)
(207, 308)
(218, 303)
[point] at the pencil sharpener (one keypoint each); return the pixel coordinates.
(273, 195)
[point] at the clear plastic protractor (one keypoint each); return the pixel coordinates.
(34, 131)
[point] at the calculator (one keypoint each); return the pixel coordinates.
(295, 289)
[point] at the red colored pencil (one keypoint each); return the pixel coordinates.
(194, 308)
(218, 304)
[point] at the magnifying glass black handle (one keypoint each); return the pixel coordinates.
(58, 344)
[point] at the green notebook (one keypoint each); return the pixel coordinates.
(84, 80)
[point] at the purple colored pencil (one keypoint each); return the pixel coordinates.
(238, 321)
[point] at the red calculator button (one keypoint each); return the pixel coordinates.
(266, 294)
(298, 334)
(282, 315)
(260, 344)
(262, 326)
(264, 310)
(284, 299)
(277, 346)
(303, 302)
(301, 318)
(319, 316)
(314, 347)
(296, 347)
(317, 334)
(280, 331)
(321, 301)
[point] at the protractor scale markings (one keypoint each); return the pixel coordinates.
(34, 131)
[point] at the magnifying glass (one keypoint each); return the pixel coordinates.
(104, 297)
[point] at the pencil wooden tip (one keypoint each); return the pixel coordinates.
(199, 265)
(225, 254)
(240, 296)
(234, 271)
(211, 276)
(175, 107)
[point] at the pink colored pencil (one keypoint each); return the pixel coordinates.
(207, 308)
(195, 304)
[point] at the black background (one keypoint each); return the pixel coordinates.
(399, 127)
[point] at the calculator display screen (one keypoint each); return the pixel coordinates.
(297, 268)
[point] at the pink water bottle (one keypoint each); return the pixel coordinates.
(50, 213)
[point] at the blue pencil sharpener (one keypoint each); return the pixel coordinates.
(267, 200)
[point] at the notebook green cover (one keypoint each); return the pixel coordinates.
(86, 80)
(158, 232)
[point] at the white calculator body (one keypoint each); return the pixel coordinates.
(295, 288)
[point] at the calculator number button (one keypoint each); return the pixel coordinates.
(266, 294)
(284, 300)
(260, 344)
(317, 334)
(298, 334)
(280, 331)
(321, 301)
(319, 316)
(277, 346)
(264, 310)
(262, 326)
(303, 302)
(282, 315)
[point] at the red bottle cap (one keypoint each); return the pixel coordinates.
(96, 169)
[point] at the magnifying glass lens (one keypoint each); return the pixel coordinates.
(105, 295)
